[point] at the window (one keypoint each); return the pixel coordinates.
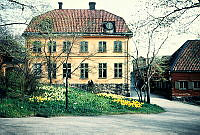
(67, 70)
(66, 46)
(102, 46)
(196, 85)
(37, 46)
(84, 70)
(117, 46)
(52, 70)
(183, 85)
(37, 69)
(52, 46)
(118, 70)
(102, 70)
(84, 46)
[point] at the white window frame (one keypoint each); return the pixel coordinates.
(66, 46)
(51, 46)
(102, 47)
(102, 70)
(184, 84)
(84, 71)
(84, 46)
(117, 46)
(117, 70)
(37, 69)
(198, 81)
(37, 48)
(53, 68)
(67, 68)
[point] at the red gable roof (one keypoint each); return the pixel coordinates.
(187, 57)
(79, 20)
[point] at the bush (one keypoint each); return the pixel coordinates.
(16, 84)
(14, 108)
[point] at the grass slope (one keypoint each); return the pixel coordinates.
(81, 103)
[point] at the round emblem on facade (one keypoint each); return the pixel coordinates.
(109, 26)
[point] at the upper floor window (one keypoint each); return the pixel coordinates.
(102, 70)
(117, 46)
(37, 69)
(84, 70)
(66, 46)
(84, 46)
(102, 46)
(37, 45)
(52, 46)
(52, 70)
(118, 70)
(67, 70)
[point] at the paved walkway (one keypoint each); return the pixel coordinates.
(180, 119)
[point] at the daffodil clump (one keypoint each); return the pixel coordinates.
(133, 104)
(38, 99)
(114, 96)
(51, 93)
(122, 100)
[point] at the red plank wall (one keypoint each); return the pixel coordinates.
(185, 77)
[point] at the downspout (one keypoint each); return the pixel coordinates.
(127, 64)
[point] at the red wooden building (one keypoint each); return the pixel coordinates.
(185, 70)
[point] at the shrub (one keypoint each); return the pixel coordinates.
(16, 84)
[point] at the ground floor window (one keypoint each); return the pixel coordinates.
(52, 70)
(84, 70)
(67, 70)
(183, 85)
(118, 70)
(196, 85)
(102, 70)
(37, 69)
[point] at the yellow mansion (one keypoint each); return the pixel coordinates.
(84, 45)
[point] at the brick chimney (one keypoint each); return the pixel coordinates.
(60, 5)
(92, 5)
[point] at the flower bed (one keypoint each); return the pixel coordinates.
(122, 100)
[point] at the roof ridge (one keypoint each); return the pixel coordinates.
(74, 20)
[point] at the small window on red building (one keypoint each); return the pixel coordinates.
(183, 85)
(196, 85)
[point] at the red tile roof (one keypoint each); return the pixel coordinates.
(79, 20)
(187, 57)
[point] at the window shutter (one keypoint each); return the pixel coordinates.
(86, 48)
(177, 85)
(49, 48)
(54, 47)
(190, 86)
(64, 47)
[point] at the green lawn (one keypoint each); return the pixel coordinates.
(81, 103)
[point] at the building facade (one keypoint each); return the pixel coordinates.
(82, 44)
(185, 70)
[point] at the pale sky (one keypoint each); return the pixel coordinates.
(128, 9)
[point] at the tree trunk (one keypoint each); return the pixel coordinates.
(66, 93)
(140, 99)
(148, 92)
(50, 78)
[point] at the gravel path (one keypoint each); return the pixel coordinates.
(180, 119)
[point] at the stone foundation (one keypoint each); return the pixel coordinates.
(120, 89)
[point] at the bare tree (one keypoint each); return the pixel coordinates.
(160, 19)
(51, 53)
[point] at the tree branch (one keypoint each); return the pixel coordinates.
(8, 24)
(23, 5)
